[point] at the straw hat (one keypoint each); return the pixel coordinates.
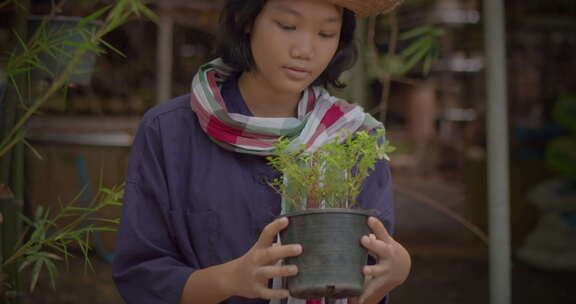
(365, 8)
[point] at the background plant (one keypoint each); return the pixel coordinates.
(26, 58)
(420, 49)
(51, 234)
(330, 177)
(19, 102)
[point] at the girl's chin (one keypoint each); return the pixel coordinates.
(294, 87)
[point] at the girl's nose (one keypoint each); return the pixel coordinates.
(303, 47)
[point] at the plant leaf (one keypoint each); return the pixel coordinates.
(97, 14)
(415, 32)
(36, 273)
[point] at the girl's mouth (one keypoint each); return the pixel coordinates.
(296, 73)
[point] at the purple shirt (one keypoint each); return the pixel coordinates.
(190, 204)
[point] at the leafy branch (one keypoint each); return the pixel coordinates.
(330, 177)
(51, 42)
(49, 240)
(423, 49)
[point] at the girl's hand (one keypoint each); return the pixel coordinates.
(391, 269)
(253, 270)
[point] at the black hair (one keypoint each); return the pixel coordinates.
(233, 43)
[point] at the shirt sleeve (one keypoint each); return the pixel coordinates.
(377, 195)
(147, 266)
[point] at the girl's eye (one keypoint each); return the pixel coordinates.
(286, 27)
(323, 35)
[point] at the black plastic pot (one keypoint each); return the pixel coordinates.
(332, 259)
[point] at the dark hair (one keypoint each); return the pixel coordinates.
(233, 43)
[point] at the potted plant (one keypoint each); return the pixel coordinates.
(319, 195)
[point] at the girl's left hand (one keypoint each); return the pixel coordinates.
(392, 267)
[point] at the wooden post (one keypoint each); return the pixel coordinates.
(165, 55)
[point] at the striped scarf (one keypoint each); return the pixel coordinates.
(320, 118)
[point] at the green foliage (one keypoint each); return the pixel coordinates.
(564, 111)
(51, 42)
(330, 177)
(561, 152)
(424, 48)
(51, 235)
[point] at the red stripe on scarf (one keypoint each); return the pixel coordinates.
(220, 131)
(313, 301)
(311, 101)
(254, 142)
(332, 115)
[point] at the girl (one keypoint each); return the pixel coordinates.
(198, 219)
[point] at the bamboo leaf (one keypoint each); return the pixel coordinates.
(52, 256)
(413, 61)
(103, 229)
(34, 151)
(17, 89)
(149, 13)
(94, 15)
(26, 219)
(36, 273)
(51, 272)
(427, 65)
(415, 32)
(6, 146)
(23, 44)
(27, 262)
(38, 65)
(58, 247)
(416, 46)
(105, 220)
(112, 48)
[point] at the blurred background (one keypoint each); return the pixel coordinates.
(422, 71)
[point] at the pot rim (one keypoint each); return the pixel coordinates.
(327, 211)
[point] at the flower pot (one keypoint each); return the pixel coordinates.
(61, 28)
(332, 259)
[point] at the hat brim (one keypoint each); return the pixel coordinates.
(365, 8)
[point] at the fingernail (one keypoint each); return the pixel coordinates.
(365, 239)
(298, 249)
(293, 269)
(372, 236)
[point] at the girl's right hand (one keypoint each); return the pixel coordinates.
(253, 270)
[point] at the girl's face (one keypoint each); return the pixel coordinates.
(293, 41)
